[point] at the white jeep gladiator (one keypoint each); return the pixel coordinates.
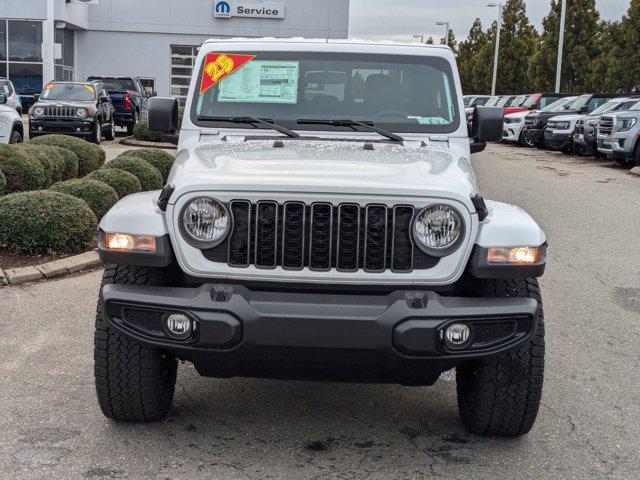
(322, 222)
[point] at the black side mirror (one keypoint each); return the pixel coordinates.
(153, 93)
(584, 109)
(163, 115)
(3, 99)
(486, 126)
(104, 100)
(36, 97)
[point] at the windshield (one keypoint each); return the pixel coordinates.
(518, 101)
(559, 104)
(492, 102)
(397, 93)
(531, 101)
(113, 84)
(467, 101)
(635, 107)
(81, 92)
(480, 101)
(503, 101)
(606, 107)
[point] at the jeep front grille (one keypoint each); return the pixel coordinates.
(605, 128)
(60, 112)
(322, 236)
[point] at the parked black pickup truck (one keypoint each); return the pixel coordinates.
(81, 109)
(129, 98)
(536, 122)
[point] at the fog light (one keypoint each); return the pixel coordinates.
(457, 335)
(179, 326)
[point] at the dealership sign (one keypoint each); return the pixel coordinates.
(229, 9)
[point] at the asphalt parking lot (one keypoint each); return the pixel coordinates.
(588, 426)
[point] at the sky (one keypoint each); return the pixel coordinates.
(401, 19)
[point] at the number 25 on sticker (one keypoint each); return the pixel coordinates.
(218, 66)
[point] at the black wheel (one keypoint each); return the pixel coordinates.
(567, 150)
(16, 137)
(625, 162)
(134, 383)
(500, 396)
(131, 126)
(524, 141)
(110, 134)
(96, 136)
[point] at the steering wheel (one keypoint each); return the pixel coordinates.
(393, 112)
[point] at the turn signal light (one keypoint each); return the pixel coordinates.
(128, 243)
(518, 255)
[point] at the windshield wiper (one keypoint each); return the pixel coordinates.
(268, 122)
(352, 123)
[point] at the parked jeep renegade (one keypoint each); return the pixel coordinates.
(322, 221)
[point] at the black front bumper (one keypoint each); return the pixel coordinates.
(535, 136)
(82, 128)
(558, 141)
(394, 338)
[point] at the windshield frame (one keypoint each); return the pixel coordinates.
(55, 84)
(440, 63)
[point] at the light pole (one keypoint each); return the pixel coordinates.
(421, 37)
(495, 58)
(446, 34)
(563, 16)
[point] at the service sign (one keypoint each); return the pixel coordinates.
(237, 8)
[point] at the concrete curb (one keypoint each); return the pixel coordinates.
(58, 268)
(635, 171)
(132, 142)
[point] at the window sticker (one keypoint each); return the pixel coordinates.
(430, 120)
(271, 81)
(89, 87)
(218, 66)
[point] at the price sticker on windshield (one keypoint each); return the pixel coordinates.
(218, 66)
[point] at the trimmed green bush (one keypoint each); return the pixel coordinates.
(33, 222)
(141, 132)
(123, 182)
(148, 175)
(160, 159)
(99, 196)
(22, 171)
(58, 163)
(35, 152)
(90, 157)
(70, 160)
(3, 184)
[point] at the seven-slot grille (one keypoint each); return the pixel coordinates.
(529, 121)
(605, 128)
(59, 112)
(321, 237)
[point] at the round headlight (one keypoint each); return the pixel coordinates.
(81, 112)
(38, 111)
(438, 230)
(205, 222)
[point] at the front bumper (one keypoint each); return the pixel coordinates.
(79, 127)
(535, 136)
(511, 132)
(558, 141)
(394, 338)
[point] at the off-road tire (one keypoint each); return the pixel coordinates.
(96, 135)
(131, 126)
(134, 382)
(110, 134)
(16, 137)
(500, 396)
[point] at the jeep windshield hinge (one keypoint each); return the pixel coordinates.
(481, 207)
(165, 195)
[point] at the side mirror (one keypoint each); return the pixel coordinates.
(104, 100)
(584, 109)
(163, 115)
(487, 126)
(153, 93)
(3, 99)
(36, 97)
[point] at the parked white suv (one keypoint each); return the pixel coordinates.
(11, 127)
(9, 91)
(514, 122)
(322, 221)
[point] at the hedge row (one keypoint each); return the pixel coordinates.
(40, 220)
(90, 156)
(141, 130)
(65, 217)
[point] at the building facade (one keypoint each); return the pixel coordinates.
(156, 40)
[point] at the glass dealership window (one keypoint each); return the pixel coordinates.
(3, 40)
(26, 77)
(183, 58)
(25, 41)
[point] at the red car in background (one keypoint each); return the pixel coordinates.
(518, 104)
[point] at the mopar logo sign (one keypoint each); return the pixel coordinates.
(222, 9)
(237, 8)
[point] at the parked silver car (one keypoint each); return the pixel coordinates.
(618, 136)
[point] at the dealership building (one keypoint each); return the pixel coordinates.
(155, 40)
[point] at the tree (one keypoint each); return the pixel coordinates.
(430, 41)
(581, 48)
(518, 43)
(468, 51)
(451, 41)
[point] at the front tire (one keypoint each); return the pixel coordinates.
(96, 136)
(110, 134)
(16, 137)
(500, 396)
(524, 141)
(134, 382)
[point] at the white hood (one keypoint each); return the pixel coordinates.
(338, 167)
(522, 114)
